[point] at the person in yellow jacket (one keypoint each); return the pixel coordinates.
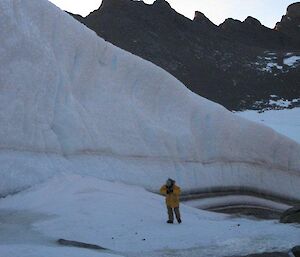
(172, 192)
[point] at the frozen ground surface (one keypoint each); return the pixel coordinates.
(286, 122)
(127, 220)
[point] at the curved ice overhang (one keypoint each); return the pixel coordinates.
(71, 102)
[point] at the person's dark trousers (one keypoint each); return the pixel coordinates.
(177, 214)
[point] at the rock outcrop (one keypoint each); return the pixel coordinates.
(201, 19)
(290, 23)
(293, 10)
(252, 33)
(296, 251)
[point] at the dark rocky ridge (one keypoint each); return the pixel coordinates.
(227, 64)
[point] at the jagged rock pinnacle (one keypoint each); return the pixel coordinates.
(293, 10)
(229, 23)
(252, 21)
(162, 3)
(200, 18)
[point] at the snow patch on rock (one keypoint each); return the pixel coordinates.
(275, 63)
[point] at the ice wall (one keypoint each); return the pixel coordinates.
(71, 102)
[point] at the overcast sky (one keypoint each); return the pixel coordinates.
(267, 11)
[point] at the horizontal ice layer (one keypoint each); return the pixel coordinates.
(71, 102)
(242, 201)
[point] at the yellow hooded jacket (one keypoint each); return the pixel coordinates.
(172, 199)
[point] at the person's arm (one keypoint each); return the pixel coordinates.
(163, 190)
(177, 190)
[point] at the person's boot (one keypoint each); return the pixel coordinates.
(170, 221)
(179, 221)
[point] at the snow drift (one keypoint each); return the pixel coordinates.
(71, 102)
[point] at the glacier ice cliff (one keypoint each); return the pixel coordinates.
(72, 103)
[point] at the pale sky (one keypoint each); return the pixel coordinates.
(267, 11)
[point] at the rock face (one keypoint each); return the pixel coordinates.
(252, 33)
(293, 10)
(296, 251)
(237, 64)
(290, 23)
(291, 215)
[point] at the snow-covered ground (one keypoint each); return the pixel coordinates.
(286, 122)
(127, 220)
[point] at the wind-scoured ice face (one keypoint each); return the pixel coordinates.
(71, 102)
